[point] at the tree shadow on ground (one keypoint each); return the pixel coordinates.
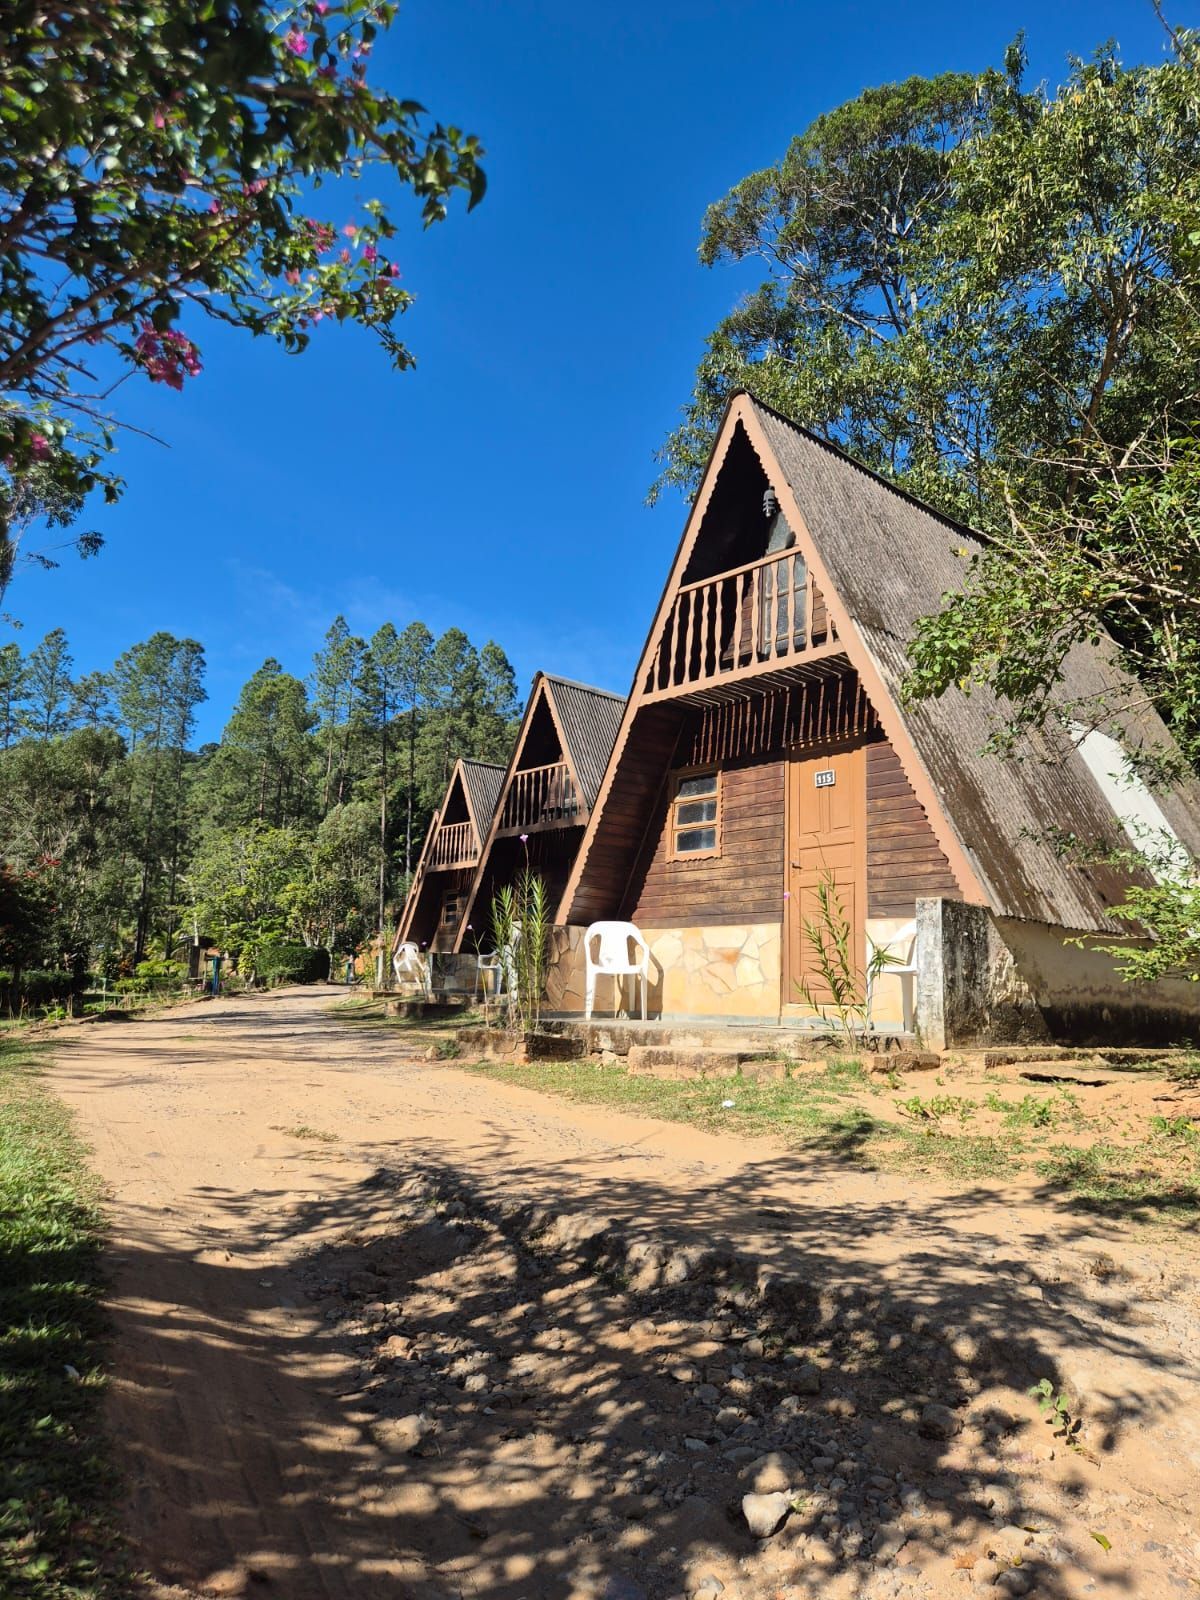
(453, 1389)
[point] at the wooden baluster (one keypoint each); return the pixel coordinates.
(686, 666)
(756, 600)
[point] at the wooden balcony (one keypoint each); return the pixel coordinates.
(764, 619)
(453, 846)
(541, 797)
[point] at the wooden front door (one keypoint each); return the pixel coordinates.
(826, 842)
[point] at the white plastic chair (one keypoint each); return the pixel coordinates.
(503, 963)
(901, 951)
(613, 960)
(411, 966)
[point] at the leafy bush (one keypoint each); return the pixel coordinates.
(292, 963)
(33, 989)
(153, 977)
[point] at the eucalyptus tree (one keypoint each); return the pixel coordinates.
(162, 164)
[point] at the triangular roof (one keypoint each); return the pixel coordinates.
(482, 782)
(586, 721)
(882, 561)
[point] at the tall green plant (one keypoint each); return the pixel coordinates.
(829, 936)
(521, 921)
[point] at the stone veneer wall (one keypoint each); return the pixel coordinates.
(705, 972)
(694, 972)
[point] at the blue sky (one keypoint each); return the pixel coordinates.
(501, 485)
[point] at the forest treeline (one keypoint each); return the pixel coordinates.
(303, 823)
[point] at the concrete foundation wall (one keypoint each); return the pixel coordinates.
(988, 980)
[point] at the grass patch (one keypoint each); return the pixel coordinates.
(808, 1108)
(303, 1131)
(57, 1538)
(1156, 1177)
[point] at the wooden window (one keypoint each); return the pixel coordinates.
(451, 910)
(695, 820)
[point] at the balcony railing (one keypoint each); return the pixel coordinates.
(738, 624)
(541, 797)
(454, 846)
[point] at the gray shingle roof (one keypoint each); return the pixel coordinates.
(483, 782)
(590, 719)
(891, 559)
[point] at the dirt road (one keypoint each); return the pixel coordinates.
(388, 1329)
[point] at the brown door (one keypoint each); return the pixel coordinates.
(827, 842)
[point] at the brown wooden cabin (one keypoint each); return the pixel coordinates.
(765, 748)
(546, 797)
(437, 896)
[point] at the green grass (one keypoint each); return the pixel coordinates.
(809, 1107)
(56, 1534)
(1157, 1178)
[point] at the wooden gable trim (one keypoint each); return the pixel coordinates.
(540, 692)
(683, 553)
(741, 413)
(890, 716)
(414, 888)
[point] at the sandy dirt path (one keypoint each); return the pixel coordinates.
(330, 1381)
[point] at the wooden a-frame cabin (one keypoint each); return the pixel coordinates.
(545, 798)
(765, 748)
(433, 909)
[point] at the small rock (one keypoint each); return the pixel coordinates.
(708, 1588)
(765, 1513)
(1014, 1581)
(772, 1474)
(822, 1463)
(620, 1586)
(938, 1422)
(684, 1372)
(694, 1444)
(806, 1379)
(753, 1347)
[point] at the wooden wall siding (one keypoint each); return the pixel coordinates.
(904, 859)
(743, 884)
(793, 717)
(648, 751)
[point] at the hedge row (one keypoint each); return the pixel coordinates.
(33, 988)
(292, 963)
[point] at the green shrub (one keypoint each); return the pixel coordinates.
(292, 963)
(33, 989)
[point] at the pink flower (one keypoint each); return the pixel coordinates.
(351, 230)
(292, 275)
(321, 7)
(159, 120)
(370, 253)
(296, 41)
(40, 445)
(393, 271)
(524, 838)
(328, 71)
(344, 258)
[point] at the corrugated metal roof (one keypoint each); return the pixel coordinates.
(589, 719)
(484, 783)
(890, 560)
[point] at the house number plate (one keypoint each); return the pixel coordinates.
(825, 779)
